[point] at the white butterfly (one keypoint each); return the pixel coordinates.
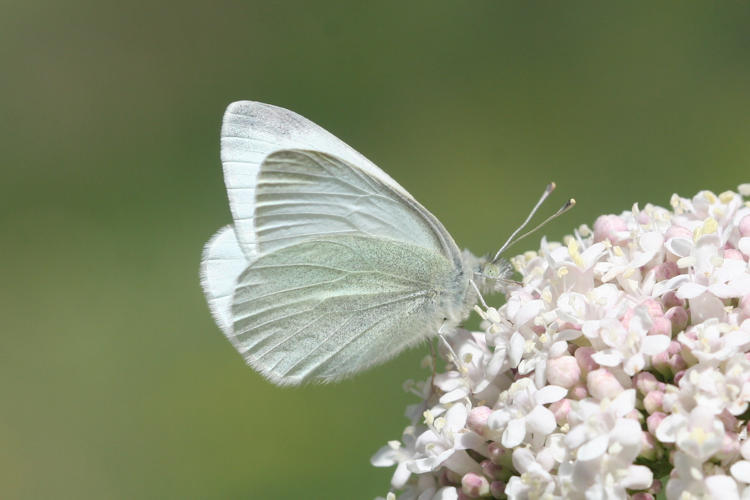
(331, 266)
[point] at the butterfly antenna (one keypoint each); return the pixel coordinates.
(567, 206)
(547, 191)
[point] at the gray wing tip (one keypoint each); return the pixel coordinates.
(250, 109)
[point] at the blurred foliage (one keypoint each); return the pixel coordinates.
(115, 381)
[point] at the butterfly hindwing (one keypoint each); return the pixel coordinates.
(323, 309)
(221, 265)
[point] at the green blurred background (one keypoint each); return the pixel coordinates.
(115, 381)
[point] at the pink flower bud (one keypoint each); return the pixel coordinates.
(652, 401)
(674, 348)
(677, 363)
(678, 376)
(656, 487)
(670, 299)
(660, 326)
(660, 362)
(729, 420)
(602, 384)
(585, 361)
(563, 371)
(645, 382)
(642, 496)
(497, 452)
(653, 308)
(653, 421)
(578, 392)
(745, 226)
(491, 469)
(665, 271)
(607, 227)
(497, 489)
(477, 420)
(678, 316)
(474, 485)
(560, 410)
(730, 447)
(648, 446)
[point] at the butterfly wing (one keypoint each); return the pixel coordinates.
(251, 131)
(323, 309)
(306, 194)
(222, 263)
(343, 268)
(351, 271)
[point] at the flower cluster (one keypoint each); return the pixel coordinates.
(618, 368)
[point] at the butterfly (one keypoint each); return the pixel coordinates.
(330, 267)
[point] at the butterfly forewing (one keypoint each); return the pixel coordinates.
(250, 132)
(322, 309)
(307, 194)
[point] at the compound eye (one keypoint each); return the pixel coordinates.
(491, 270)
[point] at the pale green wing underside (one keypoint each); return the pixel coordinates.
(308, 194)
(323, 309)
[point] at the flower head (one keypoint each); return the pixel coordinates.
(622, 360)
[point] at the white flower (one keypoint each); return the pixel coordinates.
(714, 340)
(445, 441)
(534, 481)
(628, 346)
(606, 444)
(625, 351)
(396, 453)
(521, 412)
(473, 362)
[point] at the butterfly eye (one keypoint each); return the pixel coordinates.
(491, 270)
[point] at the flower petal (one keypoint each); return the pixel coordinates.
(667, 430)
(681, 247)
(446, 493)
(741, 471)
(517, 345)
(550, 394)
(610, 357)
(514, 433)
(639, 477)
(624, 402)
(690, 290)
(541, 421)
(593, 449)
(721, 486)
(654, 344)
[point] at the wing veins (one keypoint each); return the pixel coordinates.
(326, 314)
(380, 320)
